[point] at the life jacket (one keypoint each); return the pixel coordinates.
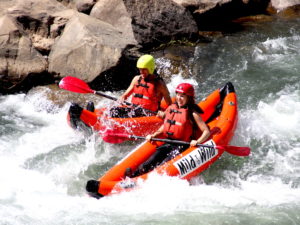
(178, 124)
(145, 94)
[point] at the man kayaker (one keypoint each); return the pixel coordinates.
(182, 119)
(147, 90)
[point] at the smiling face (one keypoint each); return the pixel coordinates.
(144, 72)
(181, 99)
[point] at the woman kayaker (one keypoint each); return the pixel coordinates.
(147, 90)
(182, 119)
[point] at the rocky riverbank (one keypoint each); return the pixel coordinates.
(99, 41)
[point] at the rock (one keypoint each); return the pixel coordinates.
(280, 5)
(290, 12)
(220, 17)
(159, 21)
(25, 40)
(201, 6)
(115, 13)
(18, 57)
(60, 97)
(86, 48)
(174, 60)
(85, 6)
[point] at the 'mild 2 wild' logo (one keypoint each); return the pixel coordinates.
(196, 158)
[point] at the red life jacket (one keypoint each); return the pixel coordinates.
(145, 94)
(177, 123)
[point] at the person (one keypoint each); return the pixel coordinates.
(182, 119)
(147, 90)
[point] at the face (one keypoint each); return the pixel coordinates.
(144, 72)
(181, 99)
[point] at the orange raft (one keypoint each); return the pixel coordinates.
(91, 119)
(220, 114)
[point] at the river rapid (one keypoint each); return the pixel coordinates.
(44, 164)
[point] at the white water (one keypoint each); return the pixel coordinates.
(44, 164)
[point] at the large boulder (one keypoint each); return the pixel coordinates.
(151, 22)
(115, 13)
(159, 21)
(86, 48)
(18, 57)
(26, 38)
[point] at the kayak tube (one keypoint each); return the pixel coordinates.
(96, 120)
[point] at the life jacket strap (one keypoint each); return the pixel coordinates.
(175, 111)
(170, 133)
(142, 85)
(173, 122)
(140, 96)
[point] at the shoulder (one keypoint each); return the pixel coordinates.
(195, 114)
(161, 84)
(197, 117)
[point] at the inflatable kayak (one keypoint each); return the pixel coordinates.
(220, 114)
(98, 120)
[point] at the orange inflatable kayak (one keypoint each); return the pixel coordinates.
(97, 120)
(220, 114)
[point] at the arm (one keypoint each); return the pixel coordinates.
(203, 127)
(165, 93)
(129, 90)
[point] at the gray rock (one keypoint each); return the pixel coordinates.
(85, 6)
(18, 57)
(86, 48)
(115, 13)
(157, 21)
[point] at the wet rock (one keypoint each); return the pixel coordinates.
(60, 97)
(290, 13)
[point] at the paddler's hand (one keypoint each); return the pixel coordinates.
(121, 99)
(193, 143)
(148, 137)
(160, 114)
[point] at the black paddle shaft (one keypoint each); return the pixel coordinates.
(172, 141)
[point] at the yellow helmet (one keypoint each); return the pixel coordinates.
(146, 62)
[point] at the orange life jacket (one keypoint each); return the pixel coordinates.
(145, 94)
(177, 124)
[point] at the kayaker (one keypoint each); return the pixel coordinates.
(182, 119)
(147, 90)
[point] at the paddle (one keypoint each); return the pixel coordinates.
(74, 84)
(114, 137)
(234, 150)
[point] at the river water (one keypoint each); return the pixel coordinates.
(44, 164)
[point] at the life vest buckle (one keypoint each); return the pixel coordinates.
(138, 95)
(142, 85)
(175, 111)
(172, 122)
(141, 96)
